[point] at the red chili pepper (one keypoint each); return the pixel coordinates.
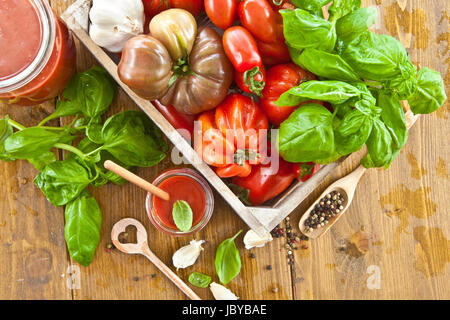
(264, 183)
(241, 49)
(304, 171)
(280, 79)
(221, 12)
(258, 17)
(180, 121)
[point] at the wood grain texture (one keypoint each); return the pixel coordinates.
(397, 225)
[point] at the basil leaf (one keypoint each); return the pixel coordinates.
(89, 93)
(32, 142)
(82, 229)
(376, 57)
(307, 135)
(303, 30)
(63, 181)
(379, 146)
(133, 139)
(94, 130)
(429, 94)
(313, 6)
(228, 261)
(199, 280)
(327, 65)
(393, 117)
(353, 132)
(6, 130)
(404, 84)
(335, 92)
(182, 215)
(355, 23)
(341, 8)
(42, 160)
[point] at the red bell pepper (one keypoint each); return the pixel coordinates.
(240, 47)
(280, 79)
(222, 12)
(258, 17)
(264, 183)
(232, 135)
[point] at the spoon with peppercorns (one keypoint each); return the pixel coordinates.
(336, 199)
(331, 205)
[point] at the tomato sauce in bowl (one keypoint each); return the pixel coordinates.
(181, 184)
(37, 52)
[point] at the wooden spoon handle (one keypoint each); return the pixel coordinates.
(169, 274)
(131, 177)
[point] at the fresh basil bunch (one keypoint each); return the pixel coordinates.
(128, 138)
(365, 76)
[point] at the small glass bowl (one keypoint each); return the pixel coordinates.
(209, 208)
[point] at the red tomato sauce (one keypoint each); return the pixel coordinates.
(20, 40)
(19, 44)
(180, 188)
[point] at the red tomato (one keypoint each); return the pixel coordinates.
(252, 81)
(231, 136)
(241, 49)
(258, 17)
(178, 120)
(234, 170)
(304, 171)
(241, 119)
(153, 7)
(280, 79)
(222, 12)
(275, 52)
(281, 4)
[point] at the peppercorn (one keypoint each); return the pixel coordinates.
(252, 256)
(269, 267)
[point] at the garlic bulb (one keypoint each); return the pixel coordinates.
(221, 293)
(252, 239)
(113, 22)
(187, 255)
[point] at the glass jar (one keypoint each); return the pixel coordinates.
(37, 52)
(191, 187)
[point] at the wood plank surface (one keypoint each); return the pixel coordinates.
(392, 243)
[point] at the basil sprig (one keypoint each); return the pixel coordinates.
(128, 138)
(182, 215)
(366, 76)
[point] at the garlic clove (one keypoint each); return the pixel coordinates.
(113, 22)
(221, 293)
(187, 255)
(252, 240)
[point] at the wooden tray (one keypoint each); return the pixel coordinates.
(261, 219)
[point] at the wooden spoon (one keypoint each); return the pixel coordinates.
(131, 177)
(141, 247)
(346, 187)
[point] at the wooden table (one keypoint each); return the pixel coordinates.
(392, 244)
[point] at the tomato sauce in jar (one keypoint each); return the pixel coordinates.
(37, 52)
(181, 184)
